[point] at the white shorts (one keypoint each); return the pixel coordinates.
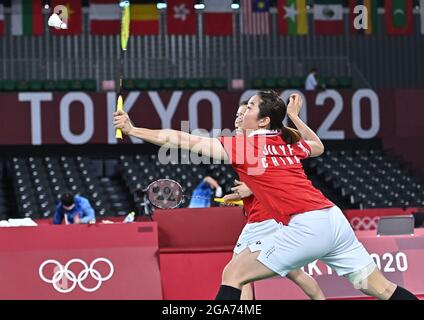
(324, 235)
(255, 231)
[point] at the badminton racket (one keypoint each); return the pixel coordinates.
(125, 34)
(168, 194)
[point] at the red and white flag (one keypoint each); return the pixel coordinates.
(328, 17)
(218, 18)
(105, 17)
(181, 17)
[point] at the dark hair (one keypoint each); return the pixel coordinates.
(271, 105)
(243, 103)
(314, 70)
(67, 199)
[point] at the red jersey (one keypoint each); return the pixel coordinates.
(271, 168)
(255, 212)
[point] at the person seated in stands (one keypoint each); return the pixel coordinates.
(201, 197)
(74, 209)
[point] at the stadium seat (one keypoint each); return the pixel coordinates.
(155, 84)
(357, 178)
(181, 84)
(7, 85)
(282, 83)
(76, 85)
(193, 84)
(128, 84)
(332, 82)
(169, 84)
(258, 83)
(89, 85)
(270, 83)
(346, 82)
(296, 82)
(35, 85)
(322, 80)
(22, 85)
(141, 84)
(48, 85)
(220, 83)
(207, 83)
(63, 85)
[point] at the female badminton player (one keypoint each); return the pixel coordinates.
(267, 158)
(260, 224)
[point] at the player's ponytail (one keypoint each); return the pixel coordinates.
(290, 136)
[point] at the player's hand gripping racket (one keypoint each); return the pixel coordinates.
(168, 194)
(125, 34)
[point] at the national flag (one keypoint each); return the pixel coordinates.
(218, 18)
(371, 16)
(328, 17)
(1, 17)
(181, 17)
(74, 20)
(144, 17)
(399, 17)
(27, 17)
(292, 17)
(105, 17)
(255, 17)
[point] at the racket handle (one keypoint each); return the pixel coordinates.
(119, 106)
(235, 202)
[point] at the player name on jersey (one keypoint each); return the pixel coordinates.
(280, 155)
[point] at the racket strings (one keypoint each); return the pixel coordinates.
(168, 194)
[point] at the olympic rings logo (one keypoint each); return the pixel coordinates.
(364, 223)
(64, 274)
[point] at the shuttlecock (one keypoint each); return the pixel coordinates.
(124, 4)
(56, 22)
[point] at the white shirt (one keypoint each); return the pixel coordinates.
(311, 82)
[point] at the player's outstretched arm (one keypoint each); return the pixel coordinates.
(211, 147)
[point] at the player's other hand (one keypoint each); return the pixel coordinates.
(122, 121)
(240, 191)
(295, 104)
(228, 198)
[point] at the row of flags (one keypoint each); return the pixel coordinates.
(104, 15)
